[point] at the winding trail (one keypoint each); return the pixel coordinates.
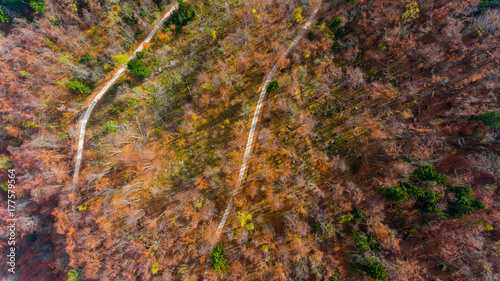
(90, 108)
(248, 148)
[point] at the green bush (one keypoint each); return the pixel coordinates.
(16, 5)
(340, 33)
(412, 190)
(24, 8)
(139, 55)
(138, 34)
(38, 7)
(132, 102)
(217, 258)
(396, 193)
(335, 277)
(78, 87)
(310, 36)
(74, 275)
(130, 20)
(490, 119)
(323, 228)
(430, 208)
(430, 196)
(425, 198)
(182, 16)
(85, 60)
(428, 173)
(357, 216)
(366, 241)
(459, 198)
(463, 202)
(316, 227)
(371, 266)
(489, 4)
(273, 86)
(4, 17)
(111, 126)
(335, 24)
(139, 68)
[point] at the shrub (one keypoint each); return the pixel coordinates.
(245, 220)
(5, 163)
(138, 34)
(78, 87)
(297, 15)
(15, 5)
(340, 33)
(132, 102)
(487, 227)
(396, 193)
(25, 8)
(38, 6)
(430, 196)
(155, 268)
(371, 266)
(121, 59)
(361, 241)
(316, 227)
(217, 258)
(4, 17)
(130, 20)
(335, 24)
(139, 55)
(411, 12)
(430, 208)
(490, 119)
(111, 126)
(128, 16)
(335, 277)
(357, 216)
(489, 4)
(74, 275)
(114, 88)
(163, 37)
(182, 16)
(372, 242)
(412, 190)
(273, 86)
(366, 241)
(406, 190)
(85, 60)
(463, 203)
(139, 68)
(428, 173)
(326, 228)
(459, 198)
(425, 198)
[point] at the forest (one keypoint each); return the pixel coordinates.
(251, 140)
